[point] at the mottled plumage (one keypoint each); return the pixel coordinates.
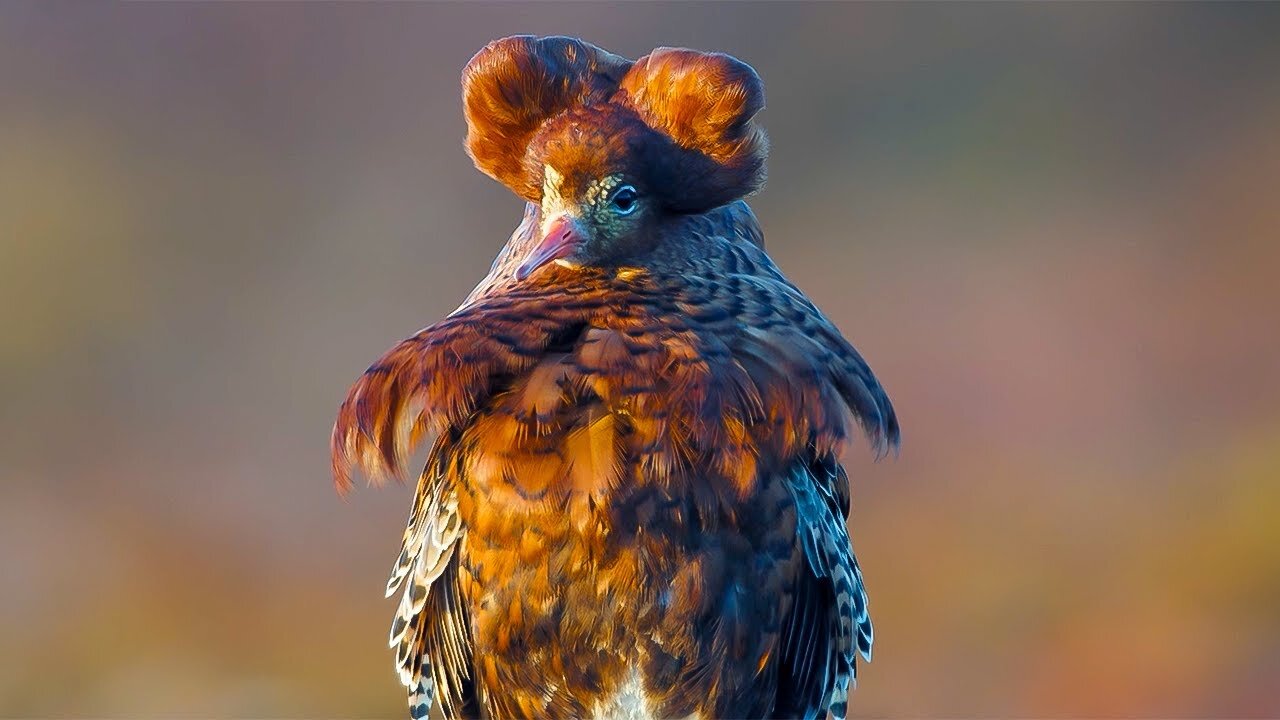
(633, 502)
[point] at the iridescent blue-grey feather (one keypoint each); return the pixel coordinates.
(820, 490)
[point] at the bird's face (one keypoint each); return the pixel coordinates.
(590, 220)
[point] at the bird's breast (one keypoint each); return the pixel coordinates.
(631, 701)
(614, 587)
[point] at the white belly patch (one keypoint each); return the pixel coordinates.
(630, 703)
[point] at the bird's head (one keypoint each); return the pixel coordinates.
(610, 148)
(597, 204)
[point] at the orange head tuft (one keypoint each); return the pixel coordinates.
(677, 124)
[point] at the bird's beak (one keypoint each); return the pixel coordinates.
(563, 236)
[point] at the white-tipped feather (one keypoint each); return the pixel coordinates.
(421, 698)
(428, 545)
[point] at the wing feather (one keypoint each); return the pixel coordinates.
(426, 569)
(830, 625)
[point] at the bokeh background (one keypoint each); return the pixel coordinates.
(1053, 229)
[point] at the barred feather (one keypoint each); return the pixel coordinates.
(421, 698)
(433, 532)
(825, 538)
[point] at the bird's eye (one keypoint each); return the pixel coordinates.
(625, 200)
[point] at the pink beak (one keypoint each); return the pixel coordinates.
(561, 239)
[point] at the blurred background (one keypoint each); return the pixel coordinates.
(1054, 230)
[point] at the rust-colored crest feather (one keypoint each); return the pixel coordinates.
(679, 120)
(706, 103)
(514, 85)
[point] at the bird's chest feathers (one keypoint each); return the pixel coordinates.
(620, 408)
(567, 394)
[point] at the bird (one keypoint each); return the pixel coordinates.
(633, 505)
